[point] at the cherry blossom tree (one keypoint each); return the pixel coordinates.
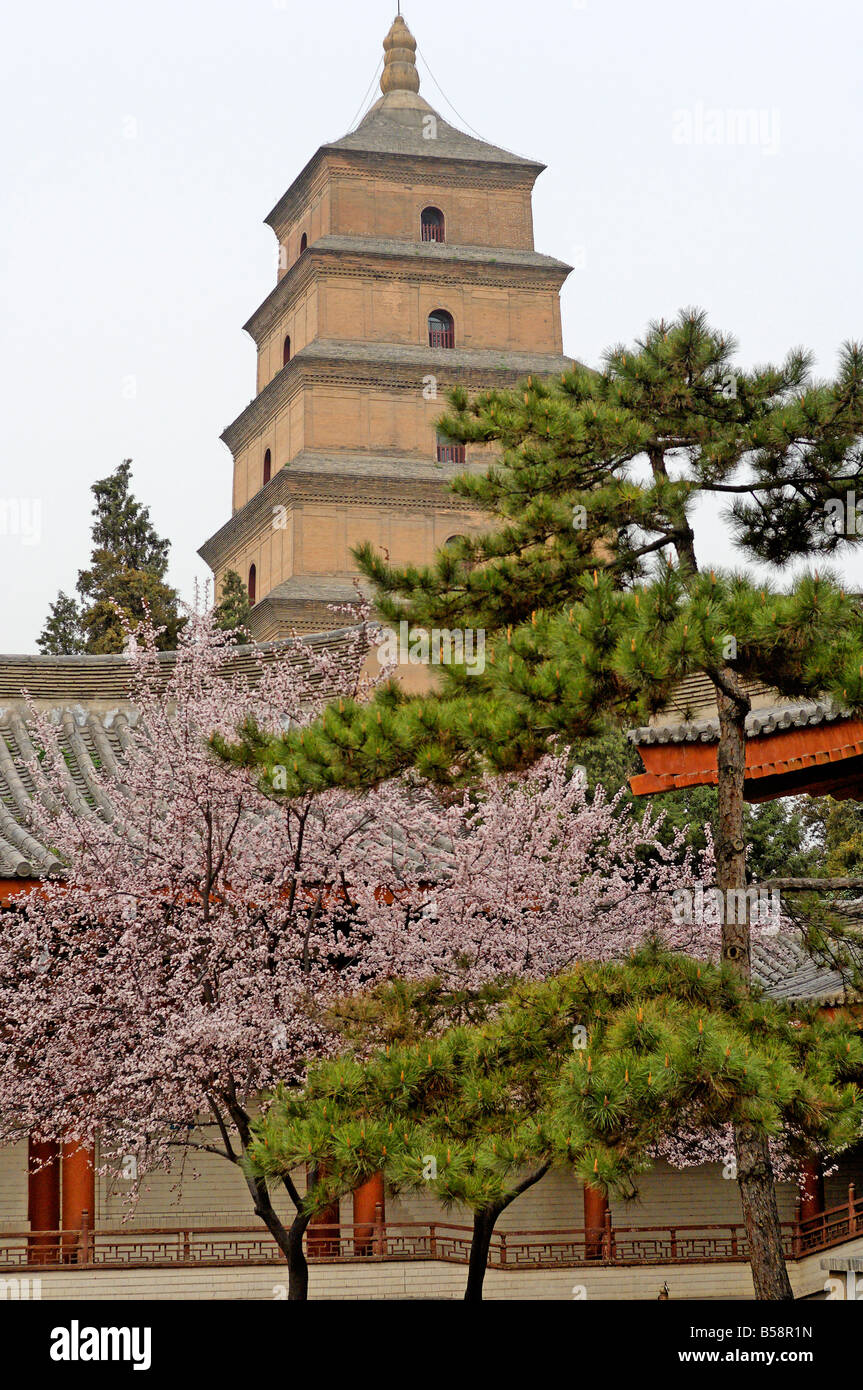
(205, 931)
(185, 958)
(532, 875)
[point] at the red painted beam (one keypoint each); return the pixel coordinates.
(814, 757)
(13, 887)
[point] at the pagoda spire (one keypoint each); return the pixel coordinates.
(400, 66)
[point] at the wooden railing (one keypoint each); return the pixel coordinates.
(217, 1244)
(833, 1226)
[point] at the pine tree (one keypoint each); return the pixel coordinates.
(594, 607)
(592, 1070)
(233, 608)
(127, 570)
(62, 635)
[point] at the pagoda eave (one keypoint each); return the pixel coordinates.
(330, 478)
(394, 259)
(393, 365)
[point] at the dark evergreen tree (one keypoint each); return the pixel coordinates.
(62, 635)
(232, 610)
(127, 570)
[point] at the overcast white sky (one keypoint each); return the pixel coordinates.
(146, 142)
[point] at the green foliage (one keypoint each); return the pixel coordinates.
(232, 610)
(135, 592)
(586, 581)
(591, 1070)
(838, 825)
(127, 570)
(62, 635)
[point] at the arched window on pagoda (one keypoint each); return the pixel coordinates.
(268, 466)
(448, 452)
(432, 225)
(304, 241)
(253, 584)
(441, 329)
(286, 352)
(453, 544)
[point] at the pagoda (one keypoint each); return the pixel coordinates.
(406, 266)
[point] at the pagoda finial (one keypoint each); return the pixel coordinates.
(400, 67)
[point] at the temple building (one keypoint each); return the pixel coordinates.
(406, 266)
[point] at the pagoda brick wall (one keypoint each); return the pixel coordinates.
(394, 308)
(348, 201)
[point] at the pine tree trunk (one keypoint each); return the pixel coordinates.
(289, 1239)
(483, 1229)
(754, 1169)
(298, 1269)
(290, 1242)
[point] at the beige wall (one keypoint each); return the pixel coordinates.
(372, 419)
(348, 201)
(270, 550)
(428, 1279)
(299, 322)
(474, 216)
(330, 419)
(314, 217)
(370, 308)
(13, 1187)
(284, 436)
(317, 539)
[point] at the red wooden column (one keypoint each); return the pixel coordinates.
(596, 1216)
(78, 1199)
(369, 1213)
(811, 1190)
(323, 1237)
(43, 1198)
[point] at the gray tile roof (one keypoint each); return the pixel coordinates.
(56, 680)
(419, 355)
(332, 588)
(784, 970)
(438, 251)
(389, 129)
(766, 720)
(88, 700)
